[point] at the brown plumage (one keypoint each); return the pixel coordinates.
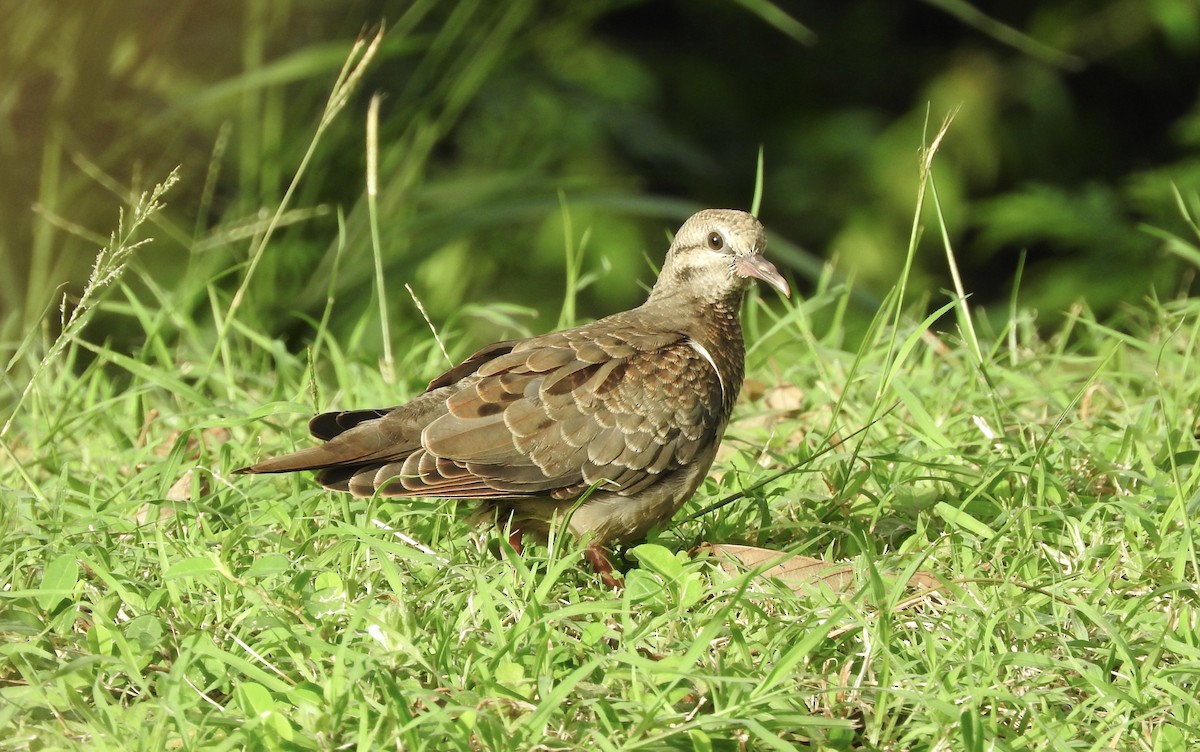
(628, 410)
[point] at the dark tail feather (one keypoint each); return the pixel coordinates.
(355, 449)
(328, 425)
(337, 478)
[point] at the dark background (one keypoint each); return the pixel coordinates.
(1076, 122)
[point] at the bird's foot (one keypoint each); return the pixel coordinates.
(597, 556)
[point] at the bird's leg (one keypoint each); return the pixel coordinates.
(598, 558)
(595, 554)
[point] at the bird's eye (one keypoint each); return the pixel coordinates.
(715, 241)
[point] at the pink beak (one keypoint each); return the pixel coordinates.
(754, 265)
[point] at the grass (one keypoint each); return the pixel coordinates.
(1046, 481)
(151, 600)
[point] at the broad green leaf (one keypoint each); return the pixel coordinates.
(58, 581)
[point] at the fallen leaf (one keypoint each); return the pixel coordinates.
(785, 398)
(753, 388)
(181, 490)
(796, 572)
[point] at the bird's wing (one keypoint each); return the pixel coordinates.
(613, 407)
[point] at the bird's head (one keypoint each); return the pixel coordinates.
(715, 255)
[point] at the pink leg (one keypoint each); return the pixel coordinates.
(598, 558)
(514, 539)
(595, 555)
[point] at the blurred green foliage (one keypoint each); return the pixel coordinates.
(503, 120)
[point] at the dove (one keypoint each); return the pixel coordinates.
(608, 428)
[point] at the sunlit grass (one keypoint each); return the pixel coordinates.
(1047, 480)
(152, 600)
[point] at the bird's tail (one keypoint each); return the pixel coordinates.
(345, 447)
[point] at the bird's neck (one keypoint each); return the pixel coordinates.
(722, 329)
(716, 326)
(709, 320)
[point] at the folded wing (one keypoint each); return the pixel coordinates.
(552, 416)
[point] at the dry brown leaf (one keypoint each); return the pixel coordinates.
(148, 513)
(922, 580)
(753, 388)
(782, 402)
(797, 572)
(785, 398)
(181, 490)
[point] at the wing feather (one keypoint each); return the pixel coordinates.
(616, 403)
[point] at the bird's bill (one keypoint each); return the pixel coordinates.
(754, 265)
